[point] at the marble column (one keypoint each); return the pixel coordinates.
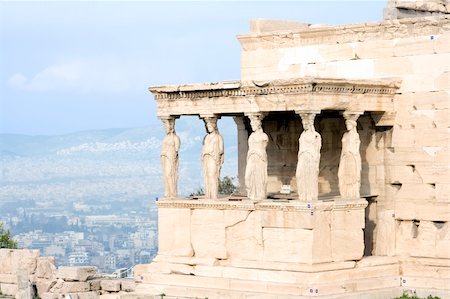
(242, 151)
(169, 157)
(256, 168)
(307, 173)
(349, 172)
(212, 157)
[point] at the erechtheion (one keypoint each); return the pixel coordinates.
(343, 136)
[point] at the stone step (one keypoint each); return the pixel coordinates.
(225, 272)
(164, 283)
(211, 293)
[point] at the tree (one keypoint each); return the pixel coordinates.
(226, 187)
(6, 240)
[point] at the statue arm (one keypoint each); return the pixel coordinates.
(318, 145)
(177, 143)
(221, 150)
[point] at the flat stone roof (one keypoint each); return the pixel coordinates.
(297, 94)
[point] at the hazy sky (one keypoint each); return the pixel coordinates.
(70, 66)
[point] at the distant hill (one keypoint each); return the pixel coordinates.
(120, 164)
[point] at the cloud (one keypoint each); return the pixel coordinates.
(81, 75)
(17, 81)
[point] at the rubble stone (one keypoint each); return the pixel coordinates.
(76, 273)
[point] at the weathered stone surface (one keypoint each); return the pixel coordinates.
(287, 219)
(11, 260)
(62, 286)
(24, 259)
(425, 240)
(208, 233)
(128, 285)
(347, 245)
(112, 296)
(8, 289)
(87, 295)
(347, 219)
(5, 261)
(8, 278)
(49, 296)
(25, 290)
(385, 233)
(76, 273)
(422, 210)
(413, 46)
(374, 49)
(45, 267)
(82, 295)
(443, 240)
(110, 285)
(139, 269)
(173, 238)
(44, 285)
(244, 239)
(94, 284)
(288, 245)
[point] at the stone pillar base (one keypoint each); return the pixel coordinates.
(371, 277)
(265, 235)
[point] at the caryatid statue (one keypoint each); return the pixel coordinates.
(256, 169)
(169, 158)
(307, 173)
(212, 157)
(349, 172)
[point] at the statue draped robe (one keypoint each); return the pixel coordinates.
(212, 157)
(169, 161)
(349, 172)
(256, 169)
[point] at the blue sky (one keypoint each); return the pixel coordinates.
(71, 66)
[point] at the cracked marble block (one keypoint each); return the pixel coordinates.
(261, 233)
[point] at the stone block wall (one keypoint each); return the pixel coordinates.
(414, 200)
(26, 275)
(262, 234)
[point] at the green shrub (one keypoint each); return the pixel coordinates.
(6, 240)
(406, 296)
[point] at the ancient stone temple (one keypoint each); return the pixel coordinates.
(343, 167)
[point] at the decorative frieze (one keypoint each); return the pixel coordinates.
(247, 205)
(255, 88)
(239, 98)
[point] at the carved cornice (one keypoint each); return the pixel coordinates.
(294, 206)
(203, 204)
(282, 87)
(346, 33)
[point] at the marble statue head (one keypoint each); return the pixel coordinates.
(255, 122)
(211, 124)
(169, 125)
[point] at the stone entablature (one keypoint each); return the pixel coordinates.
(319, 205)
(237, 97)
(324, 34)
